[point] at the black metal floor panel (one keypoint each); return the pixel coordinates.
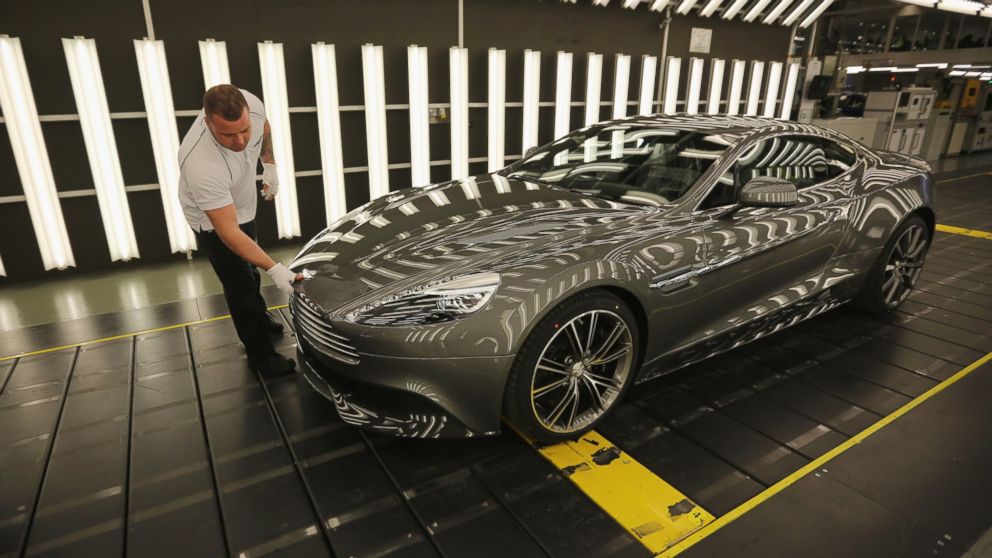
(165, 443)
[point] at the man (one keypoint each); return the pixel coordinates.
(217, 163)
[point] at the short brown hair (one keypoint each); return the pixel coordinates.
(224, 100)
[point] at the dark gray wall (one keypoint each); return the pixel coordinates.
(510, 24)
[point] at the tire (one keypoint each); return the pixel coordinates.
(555, 401)
(897, 269)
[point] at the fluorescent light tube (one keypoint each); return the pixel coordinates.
(905, 70)
(710, 7)
(329, 128)
(816, 13)
(621, 83)
(685, 6)
(961, 6)
(756, 10)
(649, 68)
(734, 8)
(213, 58)
(375, 120)
(563, 94)
(101, 147)
(594, 86)
(790, 91)
(736, 87)
(694, 85)
(882, 69)
(771, 93)
(855, 69)
(672, 85)
(31, 157)
(420, 140)
(458, 70)
(161, 114)
(532, 98)
(957, 73)
(796, 12)
(658, 5)
(497, 110)
(276, 100)
(775, 13)
(3, 271)
(940, 65)
(754, 88)
(716, 86)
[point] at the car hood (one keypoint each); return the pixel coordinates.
(418, 235)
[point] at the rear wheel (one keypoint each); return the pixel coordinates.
(573, 368)
(897, 269)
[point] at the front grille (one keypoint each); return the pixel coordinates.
(311, 325)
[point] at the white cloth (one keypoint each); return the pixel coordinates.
(212, 176)
(282, 277)
(270, 178)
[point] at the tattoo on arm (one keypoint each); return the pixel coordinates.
(267, 145)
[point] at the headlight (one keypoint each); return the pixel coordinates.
(439, 302)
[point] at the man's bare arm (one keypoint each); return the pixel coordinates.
(225, 222)
(266, 154)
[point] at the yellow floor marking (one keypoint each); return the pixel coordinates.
(125, 335)
(966, 232)
(963, 177)
(817, 463)
(653, 511)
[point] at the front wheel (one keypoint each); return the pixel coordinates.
(573, 368)
(897, 269)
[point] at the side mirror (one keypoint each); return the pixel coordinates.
(768, 191)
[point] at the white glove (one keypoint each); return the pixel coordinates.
(270, 181)
(282, 277)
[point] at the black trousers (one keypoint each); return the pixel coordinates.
(241, 282)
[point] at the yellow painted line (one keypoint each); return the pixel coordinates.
(817, 463)
(966, 232)
(650, 509)
(963, 177)
(125, 335)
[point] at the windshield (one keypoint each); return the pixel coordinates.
(635, 164)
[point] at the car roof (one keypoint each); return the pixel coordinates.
(706, 123)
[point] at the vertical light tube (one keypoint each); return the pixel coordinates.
(797, 11)
(497, 109)
(694, 86)
(273, 68)
(420, 156)
(532, 92)
(790, 91)
(3, 272)
(161, 113)
(621, 84)
(594, 85)
(563, 94)
(101, 147)
(325, 74)
(375, 120)
(31, 157)
(716, 86)
(754, 88)
(458, 66)
(771, 92)
(672, 84)
(213, 58)
(649, 69)
(736, 87)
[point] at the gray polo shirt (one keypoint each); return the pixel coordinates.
(212, 176)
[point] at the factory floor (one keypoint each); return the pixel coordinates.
(846, 435)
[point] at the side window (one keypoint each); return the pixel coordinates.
(800, 160)
(839, 157)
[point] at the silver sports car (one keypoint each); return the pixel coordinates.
(620, 252)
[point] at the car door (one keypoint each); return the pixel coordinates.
(759, 260)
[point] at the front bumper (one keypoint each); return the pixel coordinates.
(411, 397)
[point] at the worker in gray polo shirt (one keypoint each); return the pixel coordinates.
(217, 164)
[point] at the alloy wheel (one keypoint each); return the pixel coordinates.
(904, 266)
(581, 371)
